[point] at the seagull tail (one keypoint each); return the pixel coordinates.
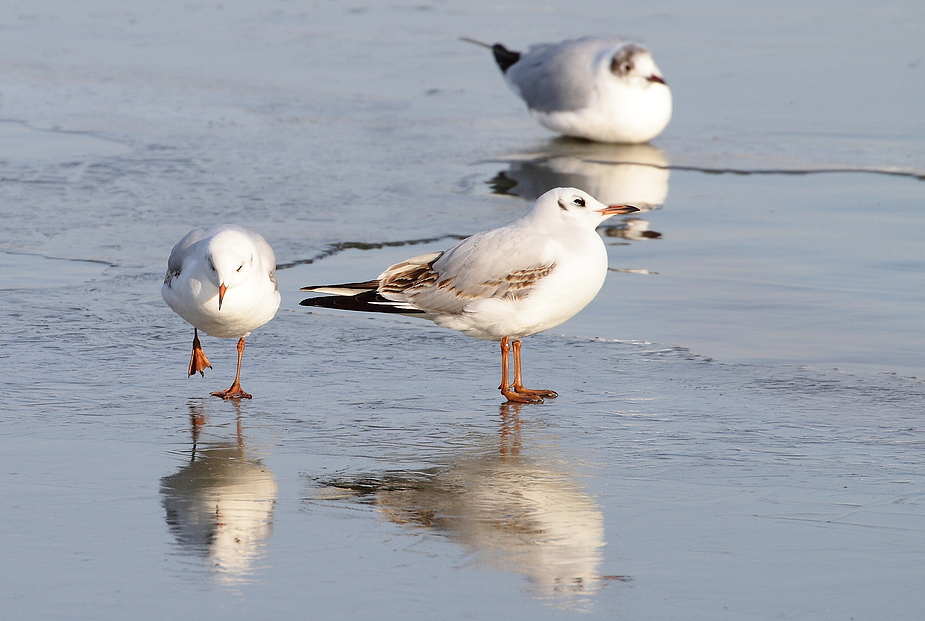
(351, 288)
(468, 40)
(503, 56)
(368, 301)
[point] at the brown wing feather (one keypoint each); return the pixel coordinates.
(414, 273)
(417, 283)
(423, 287)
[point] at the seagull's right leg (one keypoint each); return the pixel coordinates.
(198, 361)
(518, 385)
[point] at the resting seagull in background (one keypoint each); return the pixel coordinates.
(500, 285)
(222, 280)
(599, 89)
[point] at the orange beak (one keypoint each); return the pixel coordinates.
(613, 210)
(221, 294)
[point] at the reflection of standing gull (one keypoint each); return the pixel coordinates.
(513, 513)
(614, 174)
(220, 506)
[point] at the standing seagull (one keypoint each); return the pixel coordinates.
(500, 285)
(600, 89)
(221, 279)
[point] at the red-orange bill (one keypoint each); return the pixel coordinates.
(613, 210)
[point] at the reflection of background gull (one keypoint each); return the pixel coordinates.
(631, 228)
(613, 174)
(511, 512)
(220, 506)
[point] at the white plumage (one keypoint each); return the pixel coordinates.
(503, 284)
(600, 89)
(221, 279)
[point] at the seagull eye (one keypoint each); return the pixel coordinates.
(239, 269)
(579, 201)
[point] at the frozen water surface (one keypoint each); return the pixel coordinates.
(739, 431)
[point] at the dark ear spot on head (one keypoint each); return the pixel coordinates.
(624, 60)
(562, 205)
(620, 68)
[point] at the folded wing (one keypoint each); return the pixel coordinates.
(494, 264)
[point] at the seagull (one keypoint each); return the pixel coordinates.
(499, 285)
(601, 89)
(222, 280)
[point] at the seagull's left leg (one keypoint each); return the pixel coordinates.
(506, 389)
(518, 386)
(510, 390)
(234, 391)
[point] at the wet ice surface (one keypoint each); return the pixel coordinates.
(738, 433)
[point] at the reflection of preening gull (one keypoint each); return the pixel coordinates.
(614, 174)
(221, 506)
(222, 280)
(503, 284)
(601, 89)
(512, 515)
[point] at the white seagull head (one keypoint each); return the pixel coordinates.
(571, 207)
(632, 65)
(232, 259)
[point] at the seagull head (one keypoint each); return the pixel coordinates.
(232, 258)
(567, 207)
(633, 65)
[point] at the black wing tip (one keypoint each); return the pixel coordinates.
(333, 301)
(504, 57)
(369, 302)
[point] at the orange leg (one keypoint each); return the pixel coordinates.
(198, 361)
(505, 348)
(518, 386)
(509, 391)
(234, 391)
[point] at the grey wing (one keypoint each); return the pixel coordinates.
(175, 260)
(560, 77)
(500, 263)
(267, 256)
(176, 254)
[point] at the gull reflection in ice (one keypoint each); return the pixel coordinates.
(220, 505)
(634, 229)
(612, 173)
(509, 511)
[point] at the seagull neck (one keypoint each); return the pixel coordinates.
(534, 221)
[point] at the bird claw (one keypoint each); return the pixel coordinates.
(525, 395)
(514, 397)
(548, 394)
(234, 392)
(198, 361)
